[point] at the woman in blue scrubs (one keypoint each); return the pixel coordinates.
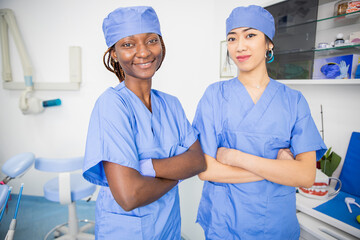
(259, 140)
(139, 143)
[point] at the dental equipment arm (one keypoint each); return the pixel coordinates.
(8, 20)
(32, 105)
(28, 103)
(7, 17)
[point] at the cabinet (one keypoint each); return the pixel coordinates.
(300, 27)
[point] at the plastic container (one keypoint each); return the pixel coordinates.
(341, 7)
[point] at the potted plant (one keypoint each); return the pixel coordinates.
(329, 162)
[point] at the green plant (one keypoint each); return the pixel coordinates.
(329, 162)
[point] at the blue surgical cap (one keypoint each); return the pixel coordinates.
(252, 16)
(127, 21)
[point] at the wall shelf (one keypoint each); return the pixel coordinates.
(322, 51)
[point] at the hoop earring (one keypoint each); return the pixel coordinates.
(269, 55)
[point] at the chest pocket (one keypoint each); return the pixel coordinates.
(176, 150)
(253, 143)
(274, 144)
(162, 152)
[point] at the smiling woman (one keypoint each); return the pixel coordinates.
(138, 55)
(129, 46)
(140, 143)
(246, 47)
(259, 140)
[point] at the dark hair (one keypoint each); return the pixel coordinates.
(115, 67)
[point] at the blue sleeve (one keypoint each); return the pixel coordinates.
(110, 138)
(204, 124)
(188, 134)
(305, 136)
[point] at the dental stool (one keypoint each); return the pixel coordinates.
(67, 188)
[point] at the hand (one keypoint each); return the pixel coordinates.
(224, 155)
(285, 154)
(343, 70)
(147, 168)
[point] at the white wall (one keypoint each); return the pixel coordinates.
(192, 32)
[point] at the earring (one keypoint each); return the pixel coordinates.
(115, 60)
(269, 55)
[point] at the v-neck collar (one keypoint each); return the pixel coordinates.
(255, 111)
(138, 100)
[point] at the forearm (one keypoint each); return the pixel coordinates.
(182, 166)
(132, 190)
(297, 172)
(148, 190)
(218, 172)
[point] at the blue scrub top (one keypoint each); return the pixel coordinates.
(123, 131)
(227, 117)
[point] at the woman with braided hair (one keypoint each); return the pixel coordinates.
(139, 143)
(113, 66)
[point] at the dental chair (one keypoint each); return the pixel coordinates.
(14, 167)
(67, 188)
(350, 176)
(4, 189)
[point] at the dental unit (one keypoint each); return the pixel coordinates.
(28, 103)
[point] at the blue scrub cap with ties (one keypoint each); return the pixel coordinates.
(127, 21)
(252, 16)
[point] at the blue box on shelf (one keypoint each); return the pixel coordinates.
(340, 67)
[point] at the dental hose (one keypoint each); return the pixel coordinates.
(7, 198)
(10, 233)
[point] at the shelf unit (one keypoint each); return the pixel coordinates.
(326, 27)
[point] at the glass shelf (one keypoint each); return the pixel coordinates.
(337, 18)
(338, 48)
(323, 51)
(342, 16)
